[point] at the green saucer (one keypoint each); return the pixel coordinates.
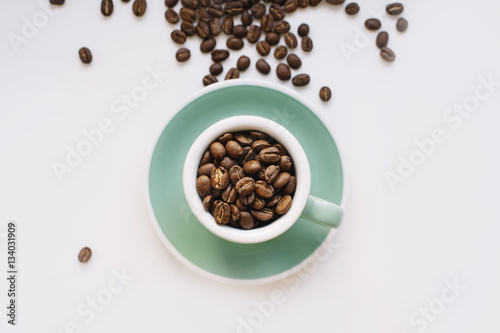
(181, 232)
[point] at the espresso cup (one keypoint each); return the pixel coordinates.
(304, 204)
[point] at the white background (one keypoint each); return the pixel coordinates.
(395, 248)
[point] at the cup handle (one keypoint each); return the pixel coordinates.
(323, 212)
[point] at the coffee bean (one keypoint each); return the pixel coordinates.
(262, 66)
(265, 214)
(219, 178)
(282, 27)
(203, 185)
(193, 4)
(402, 24)
(294, 61)
(208, 202)
(252, 167)
(227, 25)
(258, 10)
(227, 162)
(270, 155)
(188, 28)
(171, 3)
(253, 34)
(232, 74)
(263, 48)
(291, 6)
(267, 23)
(234, 149)
(243, 139)
(224, 139)
(243, 63)
(283, 72)
(245, 186)
(107, 7)
(307, 44)
(280, 52)
(178, 36)
(217, 150)
(248, 154)
(230, 194)
(277, 12)
(285, 163)
(236, 173)
(314, 3)
(246, 18)
(233, 8)
(290, 186)
(387, 54)
(235, 213)
(234, 43)
(187, 14)
(352, 8)
(208, 45)
(202, 30)
(240, 31)
(303, 30)
(182, 54)
(171, 16)
(246, 221)
(85, 55)
(259, 144)
(206, 169)
(206, 158)
(382, 39)
(303, 3)
(325, 94)
(301, 80)
(335, 2)
(203, 15)
(56, 2)
(216, 68)
(247, 199)
(222, 213)
(273, 201)
(209, 79)
(271, 173)
(84, 255)
(258, 203)
(264, 189)
(290, 40)
(373, 24)
(215, 10)
(284, 205)
(272, 38)
(282, 179)
(214, 26)
(220, 55)
(204, 3)
(394, 8)
(139, 7)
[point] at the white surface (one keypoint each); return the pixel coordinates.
(394, 250)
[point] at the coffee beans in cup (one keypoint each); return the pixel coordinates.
(246, 180)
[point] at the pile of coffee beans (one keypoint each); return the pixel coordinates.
(246, 180)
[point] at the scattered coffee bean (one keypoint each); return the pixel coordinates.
(402, 24)
(220, 55)
(85, 55)
(56, 2)
(394, 8)
(294, 61)
(303, 30)
(139, 7)
(193, 4)
(307, 44)
(178, 36)
(352, 8)
(240, 31)
(272, 38)
(258, 10)
(209, 79)
(325, 94)
(84, 255)
(215, 10)
(373, 24)
(107, 7)
(382, 39)
(246, 18)
(290, 40)
(232, 74)
(187, 14)
(387, 54)
(282, 27)
(171, 16)
(314, 3)
(301, 80)
(214, 26)
(283, 72)
(234, 43)
(277, 12)
(227, 25)
(291, 6)
(253, 34)
(216, 68)
(188, 28)
(202, 30)
(263, 48)
(280, 52)
(335, 2)
(170, 3)
(263, 66)
(233, 8)
(203, 15)
(243, 63)
(208, 45)
(182, 55)
(267, 23)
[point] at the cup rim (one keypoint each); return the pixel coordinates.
(241, 123)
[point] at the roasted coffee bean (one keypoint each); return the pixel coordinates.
(402, 25)
(178, 36)
(56, 2)
(273, 201)
(352, 8)
(236, 173)
(220, 55)
(204, 3)
(282, 179)
(307, 44)
(203, 15)
(85, 55)
(240, 31)
(314, 3)
(290, 40)
(217, 150)
(303, 30)
(188, 28)
(234, 149)
(277, 12)
(248, 154)
(284, 205)
(107, 7)
(209, 79)
(206, 169)
(193, 4)
(282, 27)
(283, 72)
(234, 43)
(271, 173)
(214, 26)
(171, 16)
(187, 14)
(224, 139)
(261, 175)
(258, 10)
(325, 94)
(84, 255)
(203, 185)
(246, 18)
(382, 39)
(373, 24)
(227, 25)
(208, 201)
(227, 162)
(234, 8)
(335, 2)
(387, 54)
(215, 10)
(139, 7)
(253, 33)
(394, 8)
(243, 139)
(207, 46)
(216, 68)
(270, 155)
(202, 30)
(259, 144)
(251, 167)
(280, 52)
(222, 213)
(265, 214)
(285, 163)
(263, 48)
(291, 6)
(281, 148)
(256, 135)
(243, 63)
(246, 221)
(267, 23)
(220, 178)
(206, 158)
(290, 186)
(183, 54)
(230, 194)
(247, 199)
(263, 67)
(294, 61)
(303, 3)
(171, 3)
(245, 186)
(272, 38)
(258, 203)
(301, 80)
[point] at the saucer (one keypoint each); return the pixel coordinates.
(186, 237)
